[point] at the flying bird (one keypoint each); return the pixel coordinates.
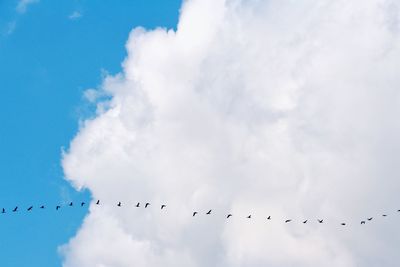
(98, 202)
(209, 212)
(42, 207)
(71, 204)
(30, 208)
(229, 215)
(119, 204)
(163, 206)
(362, 222)
(58, 207)
(194, 213)
(3, 211)
(15, 209)
(320, 221)
(138, 205)
(384, 215)
(343, 223)
(269, 218)
(369, 219)
(287, 221)
(146, 205)
(305, 221)
(249, 217)
(82, 203)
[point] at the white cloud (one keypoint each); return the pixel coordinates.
(262, 107)
(75, 15)
(22, 5)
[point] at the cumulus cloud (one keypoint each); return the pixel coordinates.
(22, 5)
(281, 108)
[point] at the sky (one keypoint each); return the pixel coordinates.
(50, 53)
(271, 108)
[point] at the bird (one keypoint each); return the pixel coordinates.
(320, 221)
(15, 209)
(163, 206)
(71, 204)
(209, 212)
(119, 204)
(229, 215)
(362, 222)
(58, 207)
(305, 221)
(30, 208)
(42, 207)
(343, 223)
(369, 219)
(98, 202)
(3, 211)
(82, 203)
(384, 215)
(249, 217)
(269, 218)
(146, 205)
(138, 205)
(194, 213)
(398, 210)
(287, 221)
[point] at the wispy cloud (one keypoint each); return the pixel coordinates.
(75, 15)
(22, 5)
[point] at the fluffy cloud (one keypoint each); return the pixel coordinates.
(22, 5)
(281, 108)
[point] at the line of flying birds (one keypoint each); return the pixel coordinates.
(163, 206)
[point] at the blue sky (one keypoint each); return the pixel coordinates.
(49, 55)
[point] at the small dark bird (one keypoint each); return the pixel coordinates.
(362, 222)
(287, 221)
(229, 215)
(119, 204)
(305, 221)
(71, 204)
(249, 217)
(42, 207)
(138, 205)
(163, 206)
(269, 218)
(15, 209)
(3, 211)
(209, 212)
(82, 203)
(58, 207)
(194, 213)
(384, 215)
(320, 221)
(30, 208)
(369, 219)
(343, 224)
(398, 210)
(98, 202)
(146, 205)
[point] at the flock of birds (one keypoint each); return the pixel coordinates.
(163, 206)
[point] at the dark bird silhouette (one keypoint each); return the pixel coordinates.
(30, 208)
(369, 219)
(398, 210)
(384, 215)
(146, 205)
(138, 205)
(194, 213)
(119, 204)
(269, 218)
(305, 221)
(42, 207)
(209, 212)
(82, 203)
(320, 221)
(15, 209)
(229, 215)
(71, 204)
(3, 211)
(98, 202)
(287, 221)
(343, 223)
(362, 222)
(163, 206)
(249, 217)
(58, 207)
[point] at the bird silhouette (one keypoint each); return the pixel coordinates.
(305, 221)
(138, 205)
(42, 207)
(398, 210)
(15, 209)
(146, 205)
(287, 221)
(3, 211)
(30, 208)
(209, 212)
(58, 207)
(362, 222)
(249, 217)
(82, 203)
(71, 204)
(163, 206)
(194, 213)
(369, 219)
(98, 202)
(269, 218)
(119, 204)
(320, 221)
(229, 215)
(384, 215)
(343, 223)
